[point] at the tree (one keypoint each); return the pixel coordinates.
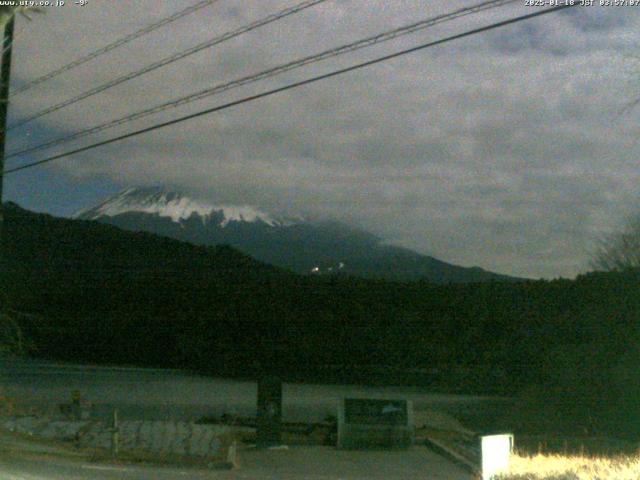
(620, 250)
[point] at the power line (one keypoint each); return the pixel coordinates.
(291, 86)
(271, 72)
(107, 48)
(173, 58)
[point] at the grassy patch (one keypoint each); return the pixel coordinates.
(572, 467)
(582, 446)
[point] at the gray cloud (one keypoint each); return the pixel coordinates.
(505, 150)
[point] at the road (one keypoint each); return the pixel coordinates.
(156, 394)
(301, 463)
(24, 467)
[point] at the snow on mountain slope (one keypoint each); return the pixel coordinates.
(177, 207)
(303, 245)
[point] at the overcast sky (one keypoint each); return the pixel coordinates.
(508, 150)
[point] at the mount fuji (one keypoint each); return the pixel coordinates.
(295, 243)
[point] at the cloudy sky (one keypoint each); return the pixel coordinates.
(511, 150)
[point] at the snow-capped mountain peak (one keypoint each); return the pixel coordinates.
(305, 245)
(178, 208)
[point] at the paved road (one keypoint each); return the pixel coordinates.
(25, 459)
(42, 468)
(155, 394)
(303, 463)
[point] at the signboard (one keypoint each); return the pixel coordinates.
(367, 422)
(375, 412)
(496, 451)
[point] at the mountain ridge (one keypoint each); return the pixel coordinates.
(174, 205)
(296, 243)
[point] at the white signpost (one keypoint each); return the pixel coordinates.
(495, 451)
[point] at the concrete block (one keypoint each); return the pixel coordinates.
(200, 441)
(179, 444)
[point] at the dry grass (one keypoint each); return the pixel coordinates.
(560, 467)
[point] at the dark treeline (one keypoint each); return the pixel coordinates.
(98, 294)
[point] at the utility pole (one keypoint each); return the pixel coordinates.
(5, 77)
